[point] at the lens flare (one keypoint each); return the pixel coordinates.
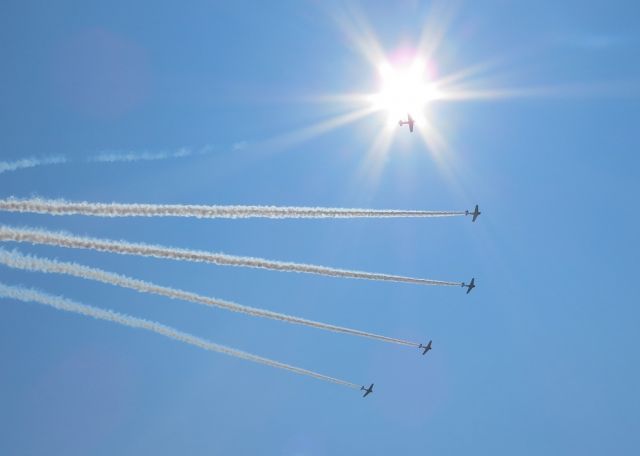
(404, 89)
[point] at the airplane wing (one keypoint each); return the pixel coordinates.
(411, 127)
(367, 391)
(468, 290)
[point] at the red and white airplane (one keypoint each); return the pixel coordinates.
(409, 122)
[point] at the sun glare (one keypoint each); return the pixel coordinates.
(404, 90)
(410, 84)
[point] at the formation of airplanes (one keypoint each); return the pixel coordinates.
(424, 347)
(469, 286)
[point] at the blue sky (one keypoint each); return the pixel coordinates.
(539, 359)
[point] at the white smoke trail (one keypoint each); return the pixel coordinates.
(27, 295)
(27, 262)
(114, 157)
(62, 207)
(30, 163)
(121, 247)
(103, 157)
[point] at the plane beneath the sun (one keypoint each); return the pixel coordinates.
(409, 122)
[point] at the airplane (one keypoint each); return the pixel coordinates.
(367, 391)
(426, 347)
(475, 213)
(409, 122)
(471, 285)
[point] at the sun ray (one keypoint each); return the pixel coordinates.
(467, 72)
(371, 167)
(444, 156)
(438, 21)
(409, 85)
(355, 27)
(307, 133)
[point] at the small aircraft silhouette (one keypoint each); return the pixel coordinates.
(409, 122)
(471, 285)
(367, 391)
(475, 213)
(425, 347)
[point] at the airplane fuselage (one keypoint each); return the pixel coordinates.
(409, 122)
(425, 348)
(470, 286)
(367, 391)
(476, 212)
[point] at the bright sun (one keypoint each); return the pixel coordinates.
(404, 90)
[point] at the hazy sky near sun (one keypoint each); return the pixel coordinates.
(539, 359)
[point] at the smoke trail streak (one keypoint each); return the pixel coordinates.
(126, 248)
(62, 207)
(26, 295)
(103, 157)
(30, 163)
(27, 262)
(113, 157)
